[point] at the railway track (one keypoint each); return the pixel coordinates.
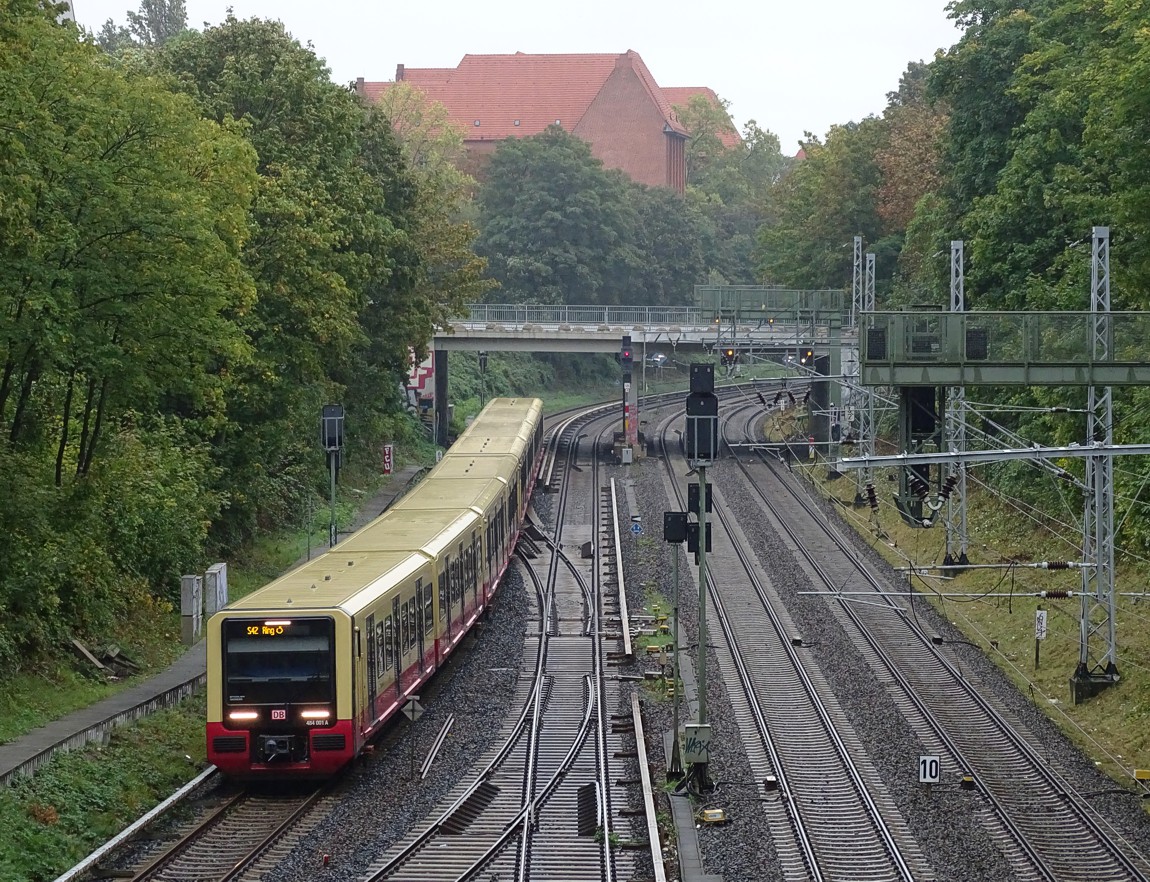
(834, 822)
(539, 805)
(227, 840)
(1046, 829)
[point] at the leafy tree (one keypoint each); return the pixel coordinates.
(709, 125)
(335, 254)
(132, 213)
(827, 199)
(113, 38)
(974, 79)
(668, 238)
(451, 275)
(910, 163)
(555, 226)
(728, 186)
(156, 22)
(122, 212)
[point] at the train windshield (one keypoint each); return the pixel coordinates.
(279, 661)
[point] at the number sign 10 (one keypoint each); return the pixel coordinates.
(928, 770)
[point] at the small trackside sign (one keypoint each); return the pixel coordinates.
(928, 770)
(413, 710)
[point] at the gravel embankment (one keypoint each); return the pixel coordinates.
(382, 804)
(945, 823)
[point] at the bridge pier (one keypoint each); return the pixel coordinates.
(442, 413)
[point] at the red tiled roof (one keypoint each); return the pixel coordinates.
(680, 96)
(519, 95)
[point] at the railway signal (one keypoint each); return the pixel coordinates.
(331, 435)
(702, 446)
(807, 356)
(675, 532)
(702, 415)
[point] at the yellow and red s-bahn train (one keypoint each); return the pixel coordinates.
(304, 671)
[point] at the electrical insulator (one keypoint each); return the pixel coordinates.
(919, 487)
(948, 486)
(762, 400)
(871, 496)
(1055, 595)
(1057, 565)
(806, 396)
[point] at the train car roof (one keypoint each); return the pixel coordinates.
(492, 466)
(331, 579)
(430, 531)
(504, 417)
(488, 444)
(450, 491)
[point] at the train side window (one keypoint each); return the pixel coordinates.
(383, 650)
(405, 626)
(442, 595)
(471, 568)
(477, 555)
(428, 612)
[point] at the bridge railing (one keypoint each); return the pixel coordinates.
(517, 314)
(1008, 338)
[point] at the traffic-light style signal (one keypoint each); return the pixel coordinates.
(626, 355)
(728, 357)
(807, 356)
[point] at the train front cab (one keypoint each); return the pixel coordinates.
(279, 700)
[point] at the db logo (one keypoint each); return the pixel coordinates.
(279, 714)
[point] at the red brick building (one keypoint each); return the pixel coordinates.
(680, 96)
(610, 101)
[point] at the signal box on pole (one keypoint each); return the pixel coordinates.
(702, 415)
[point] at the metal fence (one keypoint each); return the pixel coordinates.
(518, 314)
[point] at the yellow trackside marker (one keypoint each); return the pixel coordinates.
(1142, 774)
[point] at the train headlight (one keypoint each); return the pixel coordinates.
(243, 716)
(315, 714)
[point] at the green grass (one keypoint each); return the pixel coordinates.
(80, 799)
(52, 687)
(1114, 727)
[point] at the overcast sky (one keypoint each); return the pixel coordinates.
(791, 65)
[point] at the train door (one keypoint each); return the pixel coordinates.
(417, 621)
(373, 666)
(428, 631)
(393, 648)
(473, 566)
(444, 604)
(461, 575)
